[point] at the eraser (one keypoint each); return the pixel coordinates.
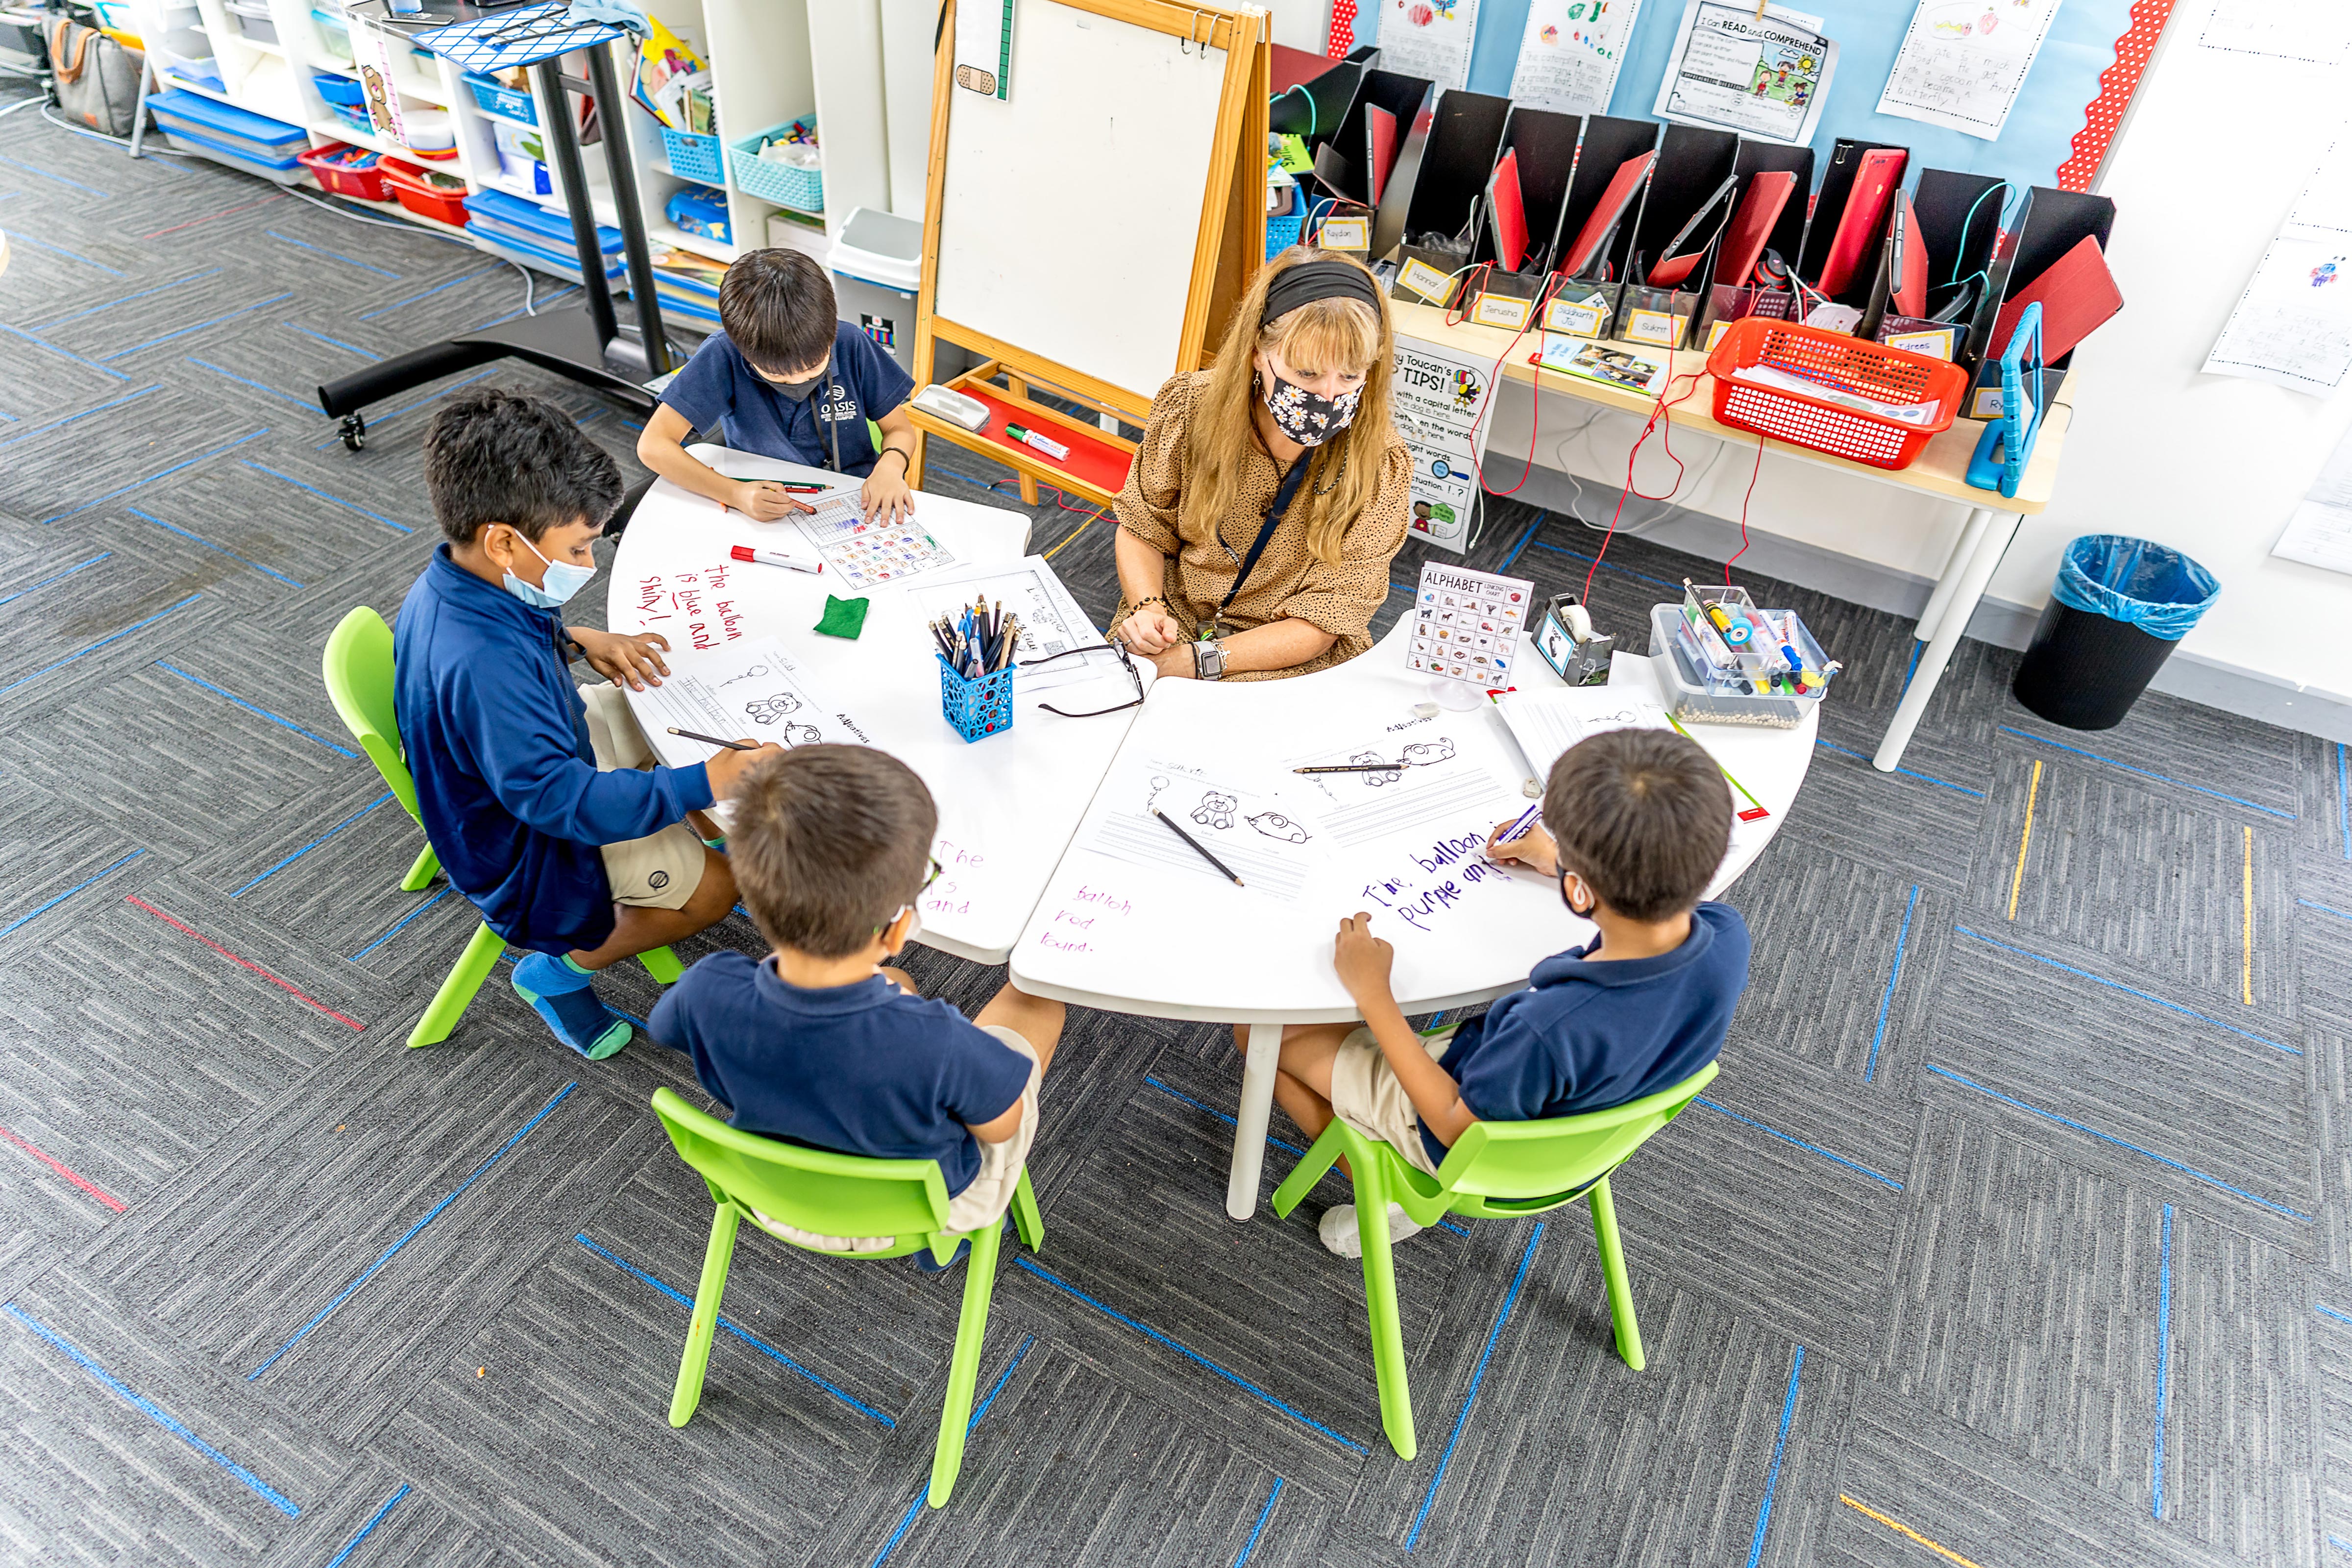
(1531, 789)
(1424, 710)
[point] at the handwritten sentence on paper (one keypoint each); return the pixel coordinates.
(701, 603)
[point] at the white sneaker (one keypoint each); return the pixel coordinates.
(1337, 1229)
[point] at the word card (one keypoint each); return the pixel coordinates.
(1467, 624)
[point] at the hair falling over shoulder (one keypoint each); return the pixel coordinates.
(1345, 334)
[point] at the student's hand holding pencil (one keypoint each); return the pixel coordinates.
(1531, 847)
(765, 500)
(727, 769)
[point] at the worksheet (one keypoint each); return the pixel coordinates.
(1050, 619)
(1245, 826)
(1439, 787)
(1467, 624)
(1763, 74)
(1569, 54)
(1547, 724)
(867, 553)
(1962, 65)
(747, 690)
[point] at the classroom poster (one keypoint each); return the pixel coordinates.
(1570, 52)
(1764, 77)
(1429, 38)
(1963, 62)
(1436, 399)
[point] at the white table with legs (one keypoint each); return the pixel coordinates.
(1180, 942)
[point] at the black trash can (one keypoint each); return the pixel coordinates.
(2117, 610)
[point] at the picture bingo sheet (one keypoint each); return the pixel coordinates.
(1270, 848)
(866, 553)
(1467, 624)
(746, 690)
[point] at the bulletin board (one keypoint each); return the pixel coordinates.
(2038, 138)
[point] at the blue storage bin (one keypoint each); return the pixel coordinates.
(535, 234)
(699, 211)
(265, 143)
(339, 91)
(802, 190)
(495, 97)
(686, 307)
(976, 709)
(693, 157)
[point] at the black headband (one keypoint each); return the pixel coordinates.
(1312, 281)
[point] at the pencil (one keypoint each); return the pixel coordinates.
(1354, 768)
(712, 740)
(1718, 766)
(1198, 846)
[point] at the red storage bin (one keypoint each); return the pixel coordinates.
(347, 171)
(1843, 364)
(421, 197)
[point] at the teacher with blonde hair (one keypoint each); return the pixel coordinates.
(1271, 491)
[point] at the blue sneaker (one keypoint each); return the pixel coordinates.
(927, 1264)
(566, 1000)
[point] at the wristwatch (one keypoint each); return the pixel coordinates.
(1209, 660)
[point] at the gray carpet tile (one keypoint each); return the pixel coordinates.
(1939, 1160)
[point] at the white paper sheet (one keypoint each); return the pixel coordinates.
(868, 554)
(1728, 70)
(1467, 624)
(1569, 56)
(747, 690)
(1963, 62)
(1242, 823)
(2313, 35)
(2292, 325)
(1438, 786)
(1547, 724)
(1051, 621)
(2320, 532)
(1429, 38)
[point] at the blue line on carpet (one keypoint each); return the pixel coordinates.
(1906, 772)
(1251, 1544)
(60, 179)
(1912, 669)
(1462, 1419)
(377, 1518)
(370, 1271)
(907, 1519)
(2121, 1143)
(54, 321)
(313, 490)
(69, 893)
(156, 1413)
(2332, 1312)
(225, 550)
(332, 343)
(111, 636)
(54, 577)
(337, 255)
(390, 414)
(1870, 1068)
(71, 418)
(21, 238)
(313, 843)
(1541, 517)
(63, 354)
(280, 721)
(1773, 1476)
(398, 923)
(452, 283)
(2163, 1352)
(200, 326)
(2338, 1543)
(303, 402)
(2306, 903)
(1235, 1379)
(765, 1349)
(1289, 1148)
(2145, 772)
(1606, 566)
(1815, 1148)
(2131, 991)
(153, 479)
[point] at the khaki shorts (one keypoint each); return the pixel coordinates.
(661, 870)
(982, 1203)
(1366, 1096)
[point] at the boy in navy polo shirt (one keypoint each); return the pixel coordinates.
(818, 1043)
(548, 814)
(1641, 820)
(784, 379)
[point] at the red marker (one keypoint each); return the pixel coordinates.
(775, 558)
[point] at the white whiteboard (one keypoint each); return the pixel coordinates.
(1071, 209)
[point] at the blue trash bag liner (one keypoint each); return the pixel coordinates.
(2157, 589)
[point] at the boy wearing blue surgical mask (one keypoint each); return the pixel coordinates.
(550, 814)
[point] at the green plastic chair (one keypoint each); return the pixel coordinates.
(1499, 1170)
(357, 666)
(836, 1195)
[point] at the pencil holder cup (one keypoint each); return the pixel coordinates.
(976, 709)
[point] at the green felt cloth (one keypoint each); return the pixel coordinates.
(842, 617)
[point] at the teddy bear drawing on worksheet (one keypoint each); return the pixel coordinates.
(1215, 810)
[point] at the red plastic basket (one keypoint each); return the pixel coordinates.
(1849, 365)
(347, 171)
(419, 195)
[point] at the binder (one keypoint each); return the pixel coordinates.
(1540, 145)
(1760, 166)
(1341, 163)
(2053, 224)
(1845, 160)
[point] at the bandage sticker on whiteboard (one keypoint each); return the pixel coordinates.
(1346, 234)
(1502, 310)
(1577, 318)
(1423, 279)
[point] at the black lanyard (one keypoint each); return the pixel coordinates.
(1274, 516)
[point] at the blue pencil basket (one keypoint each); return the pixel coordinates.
(1282, 233)
(802, 190)
(693, 157)
(977, 709)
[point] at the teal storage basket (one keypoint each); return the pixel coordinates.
(1282, 233)
(976, 709)
(802, 190)
(496, 97)
(693, 157)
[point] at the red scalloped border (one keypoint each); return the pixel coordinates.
(2105, 114)
(1343, 37)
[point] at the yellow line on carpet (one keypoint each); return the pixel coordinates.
(2247, 970)
(1906, 1529)
(2025, 839)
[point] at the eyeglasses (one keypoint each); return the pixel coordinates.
(938, 871)
(1117, 646)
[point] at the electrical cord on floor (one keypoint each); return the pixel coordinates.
(1666, 504)
(102, 136)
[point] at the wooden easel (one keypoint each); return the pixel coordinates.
(1230, 246)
